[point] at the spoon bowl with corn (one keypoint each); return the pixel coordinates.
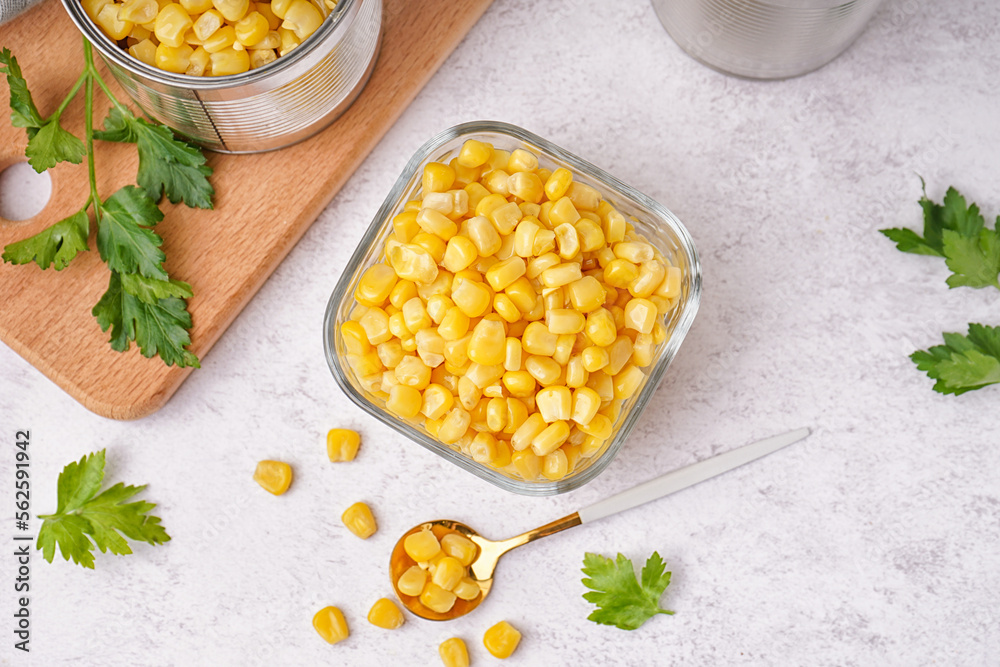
(442, 570)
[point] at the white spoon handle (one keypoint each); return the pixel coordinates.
(689, 476)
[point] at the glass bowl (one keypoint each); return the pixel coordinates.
(650, 219)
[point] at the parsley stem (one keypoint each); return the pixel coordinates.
(92, 70)
(72, 94)
(89, 120)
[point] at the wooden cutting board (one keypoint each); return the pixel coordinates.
(225, 254)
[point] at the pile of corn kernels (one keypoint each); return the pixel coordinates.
(512, 314)
(208, 37)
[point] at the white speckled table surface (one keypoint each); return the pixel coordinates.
(872, 542)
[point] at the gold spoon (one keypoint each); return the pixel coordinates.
(483, 566)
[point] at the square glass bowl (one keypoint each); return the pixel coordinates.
(650, 219)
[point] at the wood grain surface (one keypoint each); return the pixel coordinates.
(225, 254)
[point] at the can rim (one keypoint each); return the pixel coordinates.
(338, 18)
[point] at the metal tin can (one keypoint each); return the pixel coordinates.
(267, 108)
(765, 39)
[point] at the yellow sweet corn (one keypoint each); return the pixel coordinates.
(329, 622)
(412, 581)
(512, 315)
(273, 476)
(437, 599)
(453, 651)
(501, 640)
(359, 520)
(342, 444)
(385, 614)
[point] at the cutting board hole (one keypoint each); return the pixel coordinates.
(23, 192)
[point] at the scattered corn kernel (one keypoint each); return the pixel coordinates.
(274, 476)
(342, 444)
(331, 625)
(453, 651)
(385, 614)
(501, 640)
(359, 520)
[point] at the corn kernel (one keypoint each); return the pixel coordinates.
(671, 285)
(586, 403)
(482, 375)
(503, 274)
(274, 476)
(448, 573)
(437, 177)
(586, 294)
(545, 242)
(521, 160)
(576, 374)
(640, 315)
(628, 381)
(413, 372)
(342, 444)
(526, 186)
(495, 181)
(145, 51)
(359, 520)
(551, 438)
(483, 446)
(487, 346)
(422, 545)
(564, 321)
(583, 196)
(504, 217)
(543, 369)
(471, 297)
(521, 293)
(474, 153)
(501, 640)
(554, 403)
(466, 589)
(199, 62)
(555, 465)
(412, 262)
(385, 614)
(412, 581)
(594, 358)
(636, 253)
(614, 226)
(526, 463)
(436, 401)
(558, 183)
(375, 285)
(437, 599)
(599, 427)
(527, 431)
(232, 10)
(142, 11)
(454, 426)
(600, 327)
(561, 274)
(404, 401)
(251, 29)
(453, 651)
(229, 61)
(329, 622)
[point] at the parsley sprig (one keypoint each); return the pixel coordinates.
(143, 303)
(621, 599)
(963, 363)
(83, 519)
(957, 231)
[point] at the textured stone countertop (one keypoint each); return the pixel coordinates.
(874, 541)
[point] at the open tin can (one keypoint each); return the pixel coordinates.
(267, 108)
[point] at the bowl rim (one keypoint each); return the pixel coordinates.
(654, 376)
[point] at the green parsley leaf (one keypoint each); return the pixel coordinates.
(123, 239)
(957, 232)
(84, 519)
(166, 164)
(24, 113)
(621, 599)
(151, 290)
(974, 260)
(51, 144)
(963, 363)
(157, 328)
(48, 143)
(57, 244)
